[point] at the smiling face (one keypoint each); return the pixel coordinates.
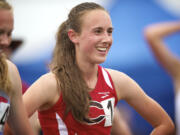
(6, 27)
(95, 38)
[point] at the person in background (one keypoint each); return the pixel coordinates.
(155, 35)
(12, 108)
(9, 51)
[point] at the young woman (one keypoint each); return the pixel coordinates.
(78, 96)
(154, 35)
(11, 105)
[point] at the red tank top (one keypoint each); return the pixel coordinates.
(104, 99)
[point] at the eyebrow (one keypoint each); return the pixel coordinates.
(3, 30)
(102, 27)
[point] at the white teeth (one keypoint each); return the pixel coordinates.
(101, 49)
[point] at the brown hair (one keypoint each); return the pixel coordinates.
(5, 84)
(5, 5)
(73, 87)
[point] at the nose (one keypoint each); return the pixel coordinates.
(4, 40)
(107, 38)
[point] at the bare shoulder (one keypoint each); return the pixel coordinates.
(15, 79)
(118, 77)
(43, 91)
(12, 69)
(45, 84)
(48, 80)
(115, 72)
(50, 89)
(125, 86)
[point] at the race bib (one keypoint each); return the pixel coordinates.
(4, 111)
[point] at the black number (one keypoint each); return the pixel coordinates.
(3, 119)
(109, 106)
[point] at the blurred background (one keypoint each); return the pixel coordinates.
(36, 23)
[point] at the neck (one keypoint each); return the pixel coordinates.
(89, 73)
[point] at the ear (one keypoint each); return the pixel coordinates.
(73, 36)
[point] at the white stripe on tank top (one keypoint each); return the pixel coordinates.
(106, 77)
(61, 126)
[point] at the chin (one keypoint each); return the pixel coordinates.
(100, 60)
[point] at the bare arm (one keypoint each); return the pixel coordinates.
(17, 119)
(128, 90)
(34, 121)
(154, 35)
(120, 125)
(41, 95)
(37, 97)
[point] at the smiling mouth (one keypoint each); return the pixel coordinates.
(102, 49)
